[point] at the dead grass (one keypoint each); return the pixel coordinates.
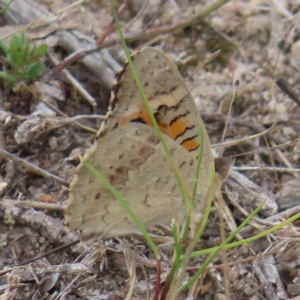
(259, 44)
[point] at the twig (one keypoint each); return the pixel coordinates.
(288, 90)
(58, 111)
(72, 119)
(273, 169)
(48, 227)
(63, 294)
(178, 26)
(145, 4)
(131, 268)
(111, 25)
(284, 215)
(57, 249)
(290, 143)
(74, 57)
(74, 82)
(35, 204)
(31, 167)
(284, 159)
(42, 21)
(235, 142)
(9, 177)
(204, 63)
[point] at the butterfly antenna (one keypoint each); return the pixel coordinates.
(236, 84)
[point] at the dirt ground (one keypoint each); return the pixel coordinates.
(50, 121)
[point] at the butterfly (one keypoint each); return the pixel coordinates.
(129, 154)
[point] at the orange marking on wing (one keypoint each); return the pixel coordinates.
(177, 128)
(173, 131)
(143, 115)
(190, 144)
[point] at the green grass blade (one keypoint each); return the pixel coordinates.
(153, 120)
(201, 135)
(210, 198)
(178, 247)
(6, 6)
(212, 172)
(219, 248)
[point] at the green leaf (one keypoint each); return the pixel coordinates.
(22, 39)
(41, 50)
(18, 50)
(25, 54)
(23, 59)
(19, 40)
(4, 47)
(16, 41)
(35, 71)
(7, 77)
(16, 56)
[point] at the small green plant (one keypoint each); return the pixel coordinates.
(23, 60)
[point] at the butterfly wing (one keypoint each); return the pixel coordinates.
(129, 154)
(132, 159)
(168, 96)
